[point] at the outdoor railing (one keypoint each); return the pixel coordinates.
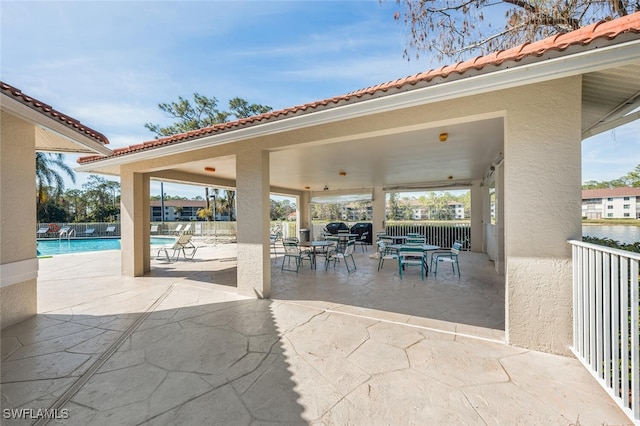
(442, 234)
(79, 230)
(606, 329)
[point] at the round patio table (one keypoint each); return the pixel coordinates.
(315, 245)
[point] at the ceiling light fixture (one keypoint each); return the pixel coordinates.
(450, 177)
(307, 187)
(444, 137)
(210, 169)
(342, 173)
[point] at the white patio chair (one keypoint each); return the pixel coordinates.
(183, 244)
(335, 256)
(362, 241)
(385, 253)
(448, 256)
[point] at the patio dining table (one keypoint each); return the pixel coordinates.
(342, 238)
(425, 247)
(315, 246)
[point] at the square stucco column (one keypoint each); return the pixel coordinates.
(378, 211)
(304, 212)
(135, 223)
(252, 184)
(542, 172)
(18, 261)
(479, 198)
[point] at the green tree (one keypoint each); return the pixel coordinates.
(631, 179)
(205, 213)
(49, 182)
(76, 205)
(202, 112)
(456, 29)
(102, 198)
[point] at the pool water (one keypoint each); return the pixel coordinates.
(51, 247)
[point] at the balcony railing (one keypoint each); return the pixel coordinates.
(606, 329)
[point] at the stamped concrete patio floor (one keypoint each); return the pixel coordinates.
(180, 347)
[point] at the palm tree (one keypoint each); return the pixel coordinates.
(48, 180)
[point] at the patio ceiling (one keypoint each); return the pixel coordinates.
(411, 159)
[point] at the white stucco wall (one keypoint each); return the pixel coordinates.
(254, 261)
(134, 223)
(542, 211)
(18, 262)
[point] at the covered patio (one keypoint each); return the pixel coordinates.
(180, 346)
(510, 123)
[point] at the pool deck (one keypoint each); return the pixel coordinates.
(179, 346)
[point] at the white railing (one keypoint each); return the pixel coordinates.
(606, 329)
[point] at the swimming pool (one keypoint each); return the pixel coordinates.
(51, 247)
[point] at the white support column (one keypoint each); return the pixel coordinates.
(500, 219)
(479, 197)
(135, 223)
(304, 212)
(254, 263)
(542, 172)
(378, 211)
(18, 261)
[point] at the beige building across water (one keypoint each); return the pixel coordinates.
(611, 203)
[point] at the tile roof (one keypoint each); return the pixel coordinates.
(610, 192)
(48, 111)
(604, 30)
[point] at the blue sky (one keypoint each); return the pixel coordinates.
(109, 64)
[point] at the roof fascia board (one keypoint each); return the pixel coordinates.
(51, 125)
(536, 72)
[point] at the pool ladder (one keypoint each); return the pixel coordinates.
(67, 232)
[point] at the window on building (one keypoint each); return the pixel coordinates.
(627, 206)
(626, 198)
(610, 207)
(609, 214)
(626, 215)
(610, 199)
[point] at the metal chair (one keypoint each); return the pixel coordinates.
(335, 256)
(411, 256)
(385, 253)
(292, 252)
(449, 256)
(362, 241)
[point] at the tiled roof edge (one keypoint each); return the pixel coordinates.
(48, 111)
(608, 30)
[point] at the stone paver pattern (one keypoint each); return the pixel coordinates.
(184, 348)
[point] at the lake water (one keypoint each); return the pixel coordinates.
(621, 233)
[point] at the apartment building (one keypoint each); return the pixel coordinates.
(611, 203)
(176, 210)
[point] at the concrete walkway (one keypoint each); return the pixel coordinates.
(180, 347)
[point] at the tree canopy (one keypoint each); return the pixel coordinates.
(202, 112)
(631, 179)
(458, 29)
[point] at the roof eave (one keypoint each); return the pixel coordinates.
(86, 144)
(468, 84)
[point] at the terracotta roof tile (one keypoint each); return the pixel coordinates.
(610, 192)
(45, 109)
(582, 37)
